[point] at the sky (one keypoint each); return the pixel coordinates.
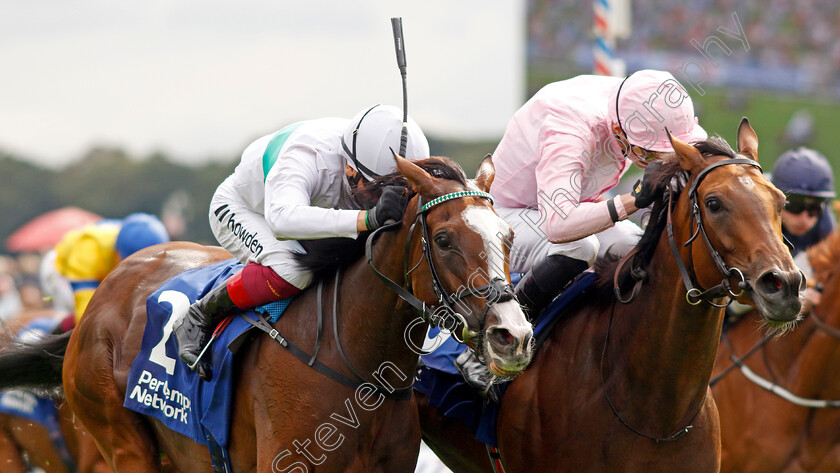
(200, 79)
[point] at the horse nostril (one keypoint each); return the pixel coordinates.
(502, 336)
(770, 283)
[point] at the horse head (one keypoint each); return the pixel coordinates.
(735, 209)
(467, 278)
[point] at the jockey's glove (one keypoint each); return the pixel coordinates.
(644, 191)
(391, 206)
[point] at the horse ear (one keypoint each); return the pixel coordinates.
(690, 157)
(421, 181)
(747, 140)
(485, 174)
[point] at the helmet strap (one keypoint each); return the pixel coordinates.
(618, 117)
(362, 169)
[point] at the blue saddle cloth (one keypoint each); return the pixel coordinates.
(443, 384)
(160, 385)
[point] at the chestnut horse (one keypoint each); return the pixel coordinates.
(280, 404)
(20, 436)
(797, 428)
(624, 387)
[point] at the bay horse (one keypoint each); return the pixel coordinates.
(281, 405)
(19, 436)
(624, 387)
(798, 429)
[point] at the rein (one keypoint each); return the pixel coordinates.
(770, 385)
(693, 290)
(497, 290)
(680, 433)
(828, 329)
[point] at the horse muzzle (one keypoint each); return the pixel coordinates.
(778, 295)
(508, 346)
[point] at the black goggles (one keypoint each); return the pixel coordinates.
(797, 206)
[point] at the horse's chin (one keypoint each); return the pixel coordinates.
(501, 372)
(780, 324)
(780, 316)
(505, 368)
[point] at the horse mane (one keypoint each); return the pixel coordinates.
(667, 176)
(324, 256)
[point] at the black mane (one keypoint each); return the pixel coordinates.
(669, 174)
(324, 256)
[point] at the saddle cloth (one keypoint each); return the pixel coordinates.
(443, 384)
(160, 385)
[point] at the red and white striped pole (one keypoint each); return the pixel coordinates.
(612, 20)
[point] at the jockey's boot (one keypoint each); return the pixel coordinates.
(195, 328)
(545, 281)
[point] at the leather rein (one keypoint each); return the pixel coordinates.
(739, 362)
(497, 290)
(694, 295)
(689, 280)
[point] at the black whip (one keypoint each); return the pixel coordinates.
(399, 46)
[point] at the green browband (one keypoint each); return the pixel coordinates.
(455, 195)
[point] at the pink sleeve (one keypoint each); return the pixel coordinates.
(559, 182)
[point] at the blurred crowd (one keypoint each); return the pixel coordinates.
(784, 35)
(20, 287)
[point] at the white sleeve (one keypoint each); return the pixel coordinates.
(289, 188)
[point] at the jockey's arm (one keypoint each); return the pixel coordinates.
(289, 190)
(561, 175)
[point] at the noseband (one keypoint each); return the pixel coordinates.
(694, 295)
(498, 290)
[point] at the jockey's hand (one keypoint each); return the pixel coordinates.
(644, 191)
(391, 206)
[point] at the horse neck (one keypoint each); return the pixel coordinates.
(663, 349)
(805, 356)
(371, 322)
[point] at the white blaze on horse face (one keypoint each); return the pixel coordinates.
(491, 227)
(747, 182)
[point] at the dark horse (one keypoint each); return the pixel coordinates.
(281, 405)
(624, 387)
(797, 428)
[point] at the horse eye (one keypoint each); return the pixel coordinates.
(713, 205)
(443, 241)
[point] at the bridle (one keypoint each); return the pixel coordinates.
(498, 290)
(740, 363)
(443, 315)
(693, 295)
(689, 280)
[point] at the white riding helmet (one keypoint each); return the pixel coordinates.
(372, 133)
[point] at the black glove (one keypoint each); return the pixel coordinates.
(391, 206)
(643, 190)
